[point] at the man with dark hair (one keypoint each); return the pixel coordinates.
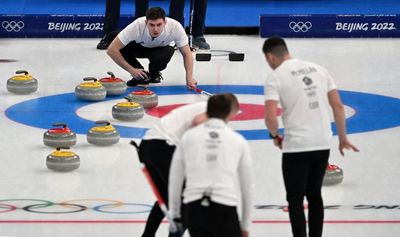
(276, 46)
(306, 93)
(210, 158)
(221, 106)
(152, 37)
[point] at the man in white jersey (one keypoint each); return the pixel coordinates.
(306, 93)
(152, 37)
(210, 158)
(156, 150)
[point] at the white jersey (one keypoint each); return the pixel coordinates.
(211, 157)
(172, 126)
(138, 32)
(302, 90)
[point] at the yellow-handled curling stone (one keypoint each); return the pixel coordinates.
(113, 85)
(59, 136)
(62, 161)
(22, 83)
(91, 90)
(103, 135)
(128, 111)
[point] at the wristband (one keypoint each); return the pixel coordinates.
(274, 137)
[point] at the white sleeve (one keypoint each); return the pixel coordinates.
(246, 180)
(130, 33)
(176, 179)
(330, 83)
(180, 38)
(271, 90)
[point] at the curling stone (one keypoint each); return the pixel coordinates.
(60, 136)
(113, 85)
(147, 98)
(62, 161)
(91, 90)
(333, 175)
(128, 111)
(103, 135)
(22, 84)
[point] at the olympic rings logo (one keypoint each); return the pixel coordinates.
(300, 26)
(73, 206)
(10, 26)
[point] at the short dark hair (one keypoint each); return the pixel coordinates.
(155, 13)
(275, 46)
(221, 105)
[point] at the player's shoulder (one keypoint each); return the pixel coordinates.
(236, 136)
(313, 64)
(139, 21)
(172, 23)
(137, 24)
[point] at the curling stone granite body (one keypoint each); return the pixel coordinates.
(22, 84)
(103, 135)
(92, 91)
(148, 99)
(333, 175)
(114, 86)
(59, 137)
(63, 161)
(128, 111)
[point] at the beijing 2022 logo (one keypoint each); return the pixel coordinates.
(11, 26)
(300, 26)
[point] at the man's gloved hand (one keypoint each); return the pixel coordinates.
(178, 232)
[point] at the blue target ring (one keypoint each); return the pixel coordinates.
(373, 112)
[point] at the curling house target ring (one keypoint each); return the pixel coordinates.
(372, 112)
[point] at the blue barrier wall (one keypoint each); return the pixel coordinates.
(324, 25)
(84, 18)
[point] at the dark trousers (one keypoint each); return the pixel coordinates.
(159, 57)
(113, 13)
(303, 173)
(176, 11)
(157, 156)
(214, 221)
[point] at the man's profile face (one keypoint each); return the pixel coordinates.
(155, 27)
(271, 60)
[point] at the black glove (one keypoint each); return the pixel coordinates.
(179, 228)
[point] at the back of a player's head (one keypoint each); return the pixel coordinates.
(275, 46)
(155, 13)
(221, 105)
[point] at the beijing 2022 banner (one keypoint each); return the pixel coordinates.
(55, 25)
(322, 25)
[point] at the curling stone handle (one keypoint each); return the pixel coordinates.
(128, 99)
(60, 125)
(90, 79)
(111, 74)
(61, 147)
(22, 71)
(103, 122)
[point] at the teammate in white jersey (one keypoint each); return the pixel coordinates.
(156, 150)
(210, 158)
(306, 93)
(152, 37)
